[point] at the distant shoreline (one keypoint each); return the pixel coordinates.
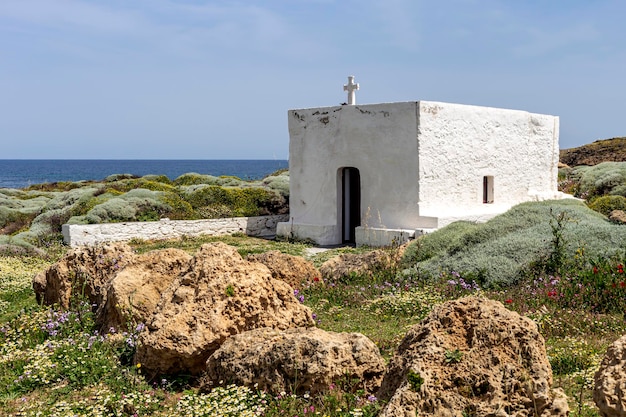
(21, 173)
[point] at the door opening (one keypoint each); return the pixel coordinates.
(351, 203)
(488, 189)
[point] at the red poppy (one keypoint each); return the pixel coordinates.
(620, 268)
(316, 279)
(595, 269)
(509, 301)
(622, 284)
(552, 293)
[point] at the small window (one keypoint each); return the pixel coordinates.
(488, 189)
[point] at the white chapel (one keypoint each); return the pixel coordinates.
(375, 174)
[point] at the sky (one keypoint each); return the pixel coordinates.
(210, 79)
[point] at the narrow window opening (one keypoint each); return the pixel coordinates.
(488, 189)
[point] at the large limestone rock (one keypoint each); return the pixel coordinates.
(609, 391)
(134, 292)
(82, 271)
(221, 295)
(618, 216)
(294, 270)
(473, 357)
(346, 264)
(302, 360)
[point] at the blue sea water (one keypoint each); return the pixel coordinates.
(20, 173)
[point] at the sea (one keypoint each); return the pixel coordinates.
(21, 173)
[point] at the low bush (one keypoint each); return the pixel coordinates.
(500, 251)
(606, 204)
(127, 185)
(607, 178)
(135, 205)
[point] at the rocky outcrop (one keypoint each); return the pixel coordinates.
(294, 270)
(594, 153)
(295, 360)
(472, 356)
(134, 292)
(221, 295)
(346, 264)
(609, 391)
(618, 216)
(84, 271)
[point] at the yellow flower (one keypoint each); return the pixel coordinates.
(139, 365)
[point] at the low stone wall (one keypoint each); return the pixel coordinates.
(92, 234)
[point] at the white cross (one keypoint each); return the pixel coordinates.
(351, 87)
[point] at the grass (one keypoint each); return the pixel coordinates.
(53, 364)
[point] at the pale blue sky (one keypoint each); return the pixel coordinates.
(200, 79)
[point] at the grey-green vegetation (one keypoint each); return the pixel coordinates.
(499, 251)
(588, 182)
(33, 216)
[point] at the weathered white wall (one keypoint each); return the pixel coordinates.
(421, 164)
(379, 140)
(92, 234)
(460, 144)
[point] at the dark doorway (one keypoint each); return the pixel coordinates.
(488, 189)
(351, 203)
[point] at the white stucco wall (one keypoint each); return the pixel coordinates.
(421, 164)
(379, 140)
(460, 144)
(92, 234)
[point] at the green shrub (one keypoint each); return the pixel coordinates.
(251, 201)
(500, 251)
(279, 182)
(178, 208)
(12, 221)
(157, 178)
(437, 243)
(119, 177)
(606, 204)
(127, 185)
(602, 179)
(193, 178)
(135, 205)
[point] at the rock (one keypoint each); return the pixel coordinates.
(618, 216)
(83, 271)
(609, 391)
(134, 292)
(294, 270)
(472, 356)
(221, 295)
(295, 360)
(346, 264)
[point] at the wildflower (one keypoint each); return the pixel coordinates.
(138, 365)
(595, 269)
(620, 269)
(509, 300)
(371, 398)
(316, 279)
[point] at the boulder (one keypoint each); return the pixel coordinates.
(609, 391)
(618, 216)
(83, 271)
(294, 270)
(134, 292)
(346, 264)
(295, 360)
(220, 295)
(471, 356)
